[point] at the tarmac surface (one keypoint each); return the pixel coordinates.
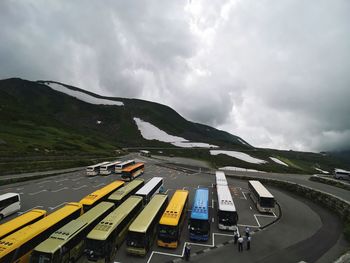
(305, 230)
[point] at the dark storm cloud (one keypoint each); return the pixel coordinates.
(274, 73)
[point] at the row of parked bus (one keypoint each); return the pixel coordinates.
(64, 235)
(106, 168)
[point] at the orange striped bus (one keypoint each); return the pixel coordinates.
(129, 173)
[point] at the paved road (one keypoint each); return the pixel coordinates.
(302, 222)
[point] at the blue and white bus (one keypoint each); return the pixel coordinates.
(199, 225)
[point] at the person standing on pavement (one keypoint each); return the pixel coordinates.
(187, 252)
(248, 242)
(240, 244)
(247, 231)
(235, 238)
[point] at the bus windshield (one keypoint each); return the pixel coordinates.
(135, 239)
(95, 248)
(198, 226)
(267, 202)
(43, 257)
(226, 217)
(167, 231)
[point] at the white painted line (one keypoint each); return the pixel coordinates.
(184, 188)
(98, 185)
(250, 207)
(257, 220)
(212, 220)
(248, 226)
(44, 182)
(18, 189)
(212, 203)
(168, 190)
(244, 195)
(58, 190)
(77, 179)
(52, 208)
(80, 187)
(266, 215)
(35, 207)
(37, 192)
(58, 181)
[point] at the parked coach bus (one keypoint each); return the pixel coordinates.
(67, 243)
(9, 204)
(341, 174)
(227, 214)
(124, 192)
(120, 166)
(152, 187)
(18, 246)
(93, 170)
(131, 172)
(220, 178)
(263, 199)
(100, 195)
(171, 222)
(108, 168)
(21, 221)
(199, 225)
(143, 229)
(104, 240)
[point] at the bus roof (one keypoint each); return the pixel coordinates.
(103, 229)
(144, 219)
(121, 192)
(110, 164)
(98, 164)
(20, 221)
(126, 162)
(149, 185)
(225, 198)
(7, 195)
(173, 212)
(260, 189)
(200, 204)
(91, 198)
(132, 167)
(220, 178)
(21, 236)
(60, 236)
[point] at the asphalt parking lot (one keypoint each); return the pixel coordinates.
(298, 223)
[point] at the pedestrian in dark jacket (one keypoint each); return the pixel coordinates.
(240, 244)
(248, 242)
(235, 237)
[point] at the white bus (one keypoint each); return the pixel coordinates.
(108, 168)
(9, 204)
(93, 170)
(120, 166)
(263, 199)
(145, 153)
(341, 174)
(151, 188)
(220, 178)
(227, 213)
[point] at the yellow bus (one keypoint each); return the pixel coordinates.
(104, 240)
(132, 171)
(124, 192)
(143, 229)
(171, 222)
(21, 221)
(18, 246)
(100, 195)
(67, 243)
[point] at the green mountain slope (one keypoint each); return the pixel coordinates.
(41, 128)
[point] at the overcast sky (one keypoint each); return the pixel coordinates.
(276, 73)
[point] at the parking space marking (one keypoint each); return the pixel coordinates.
(35, 207)
(79, 178)
(35, 193)
(44, 182)
(194, 244)
(80, 187)
(58, 190)
(58, 181)
(52, 208)
(244, 195)
(21, 188)
(257, 220)
(95, 186)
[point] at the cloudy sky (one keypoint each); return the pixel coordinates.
(276, 73)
